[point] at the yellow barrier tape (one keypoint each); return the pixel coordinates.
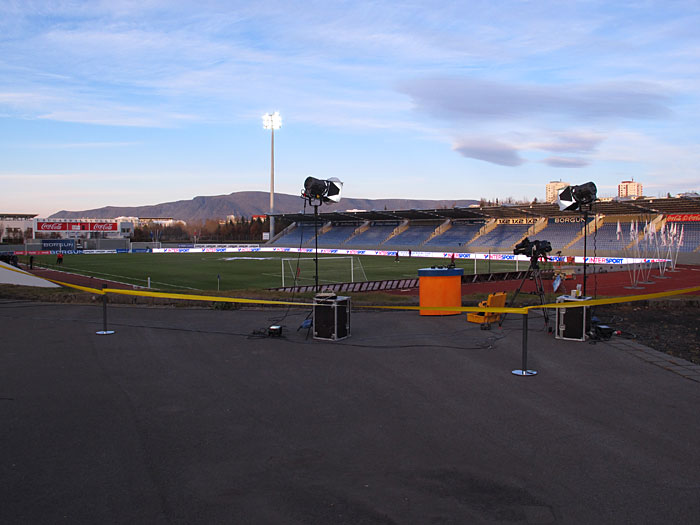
(192, 297)
(76, 286)
(615, 300)
(504, 310)
(17, 270)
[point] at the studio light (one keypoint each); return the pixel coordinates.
(322, 191)
(580, 198)
(575, 197)
(318, 192)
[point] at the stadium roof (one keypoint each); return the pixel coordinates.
(647, 206)
(16, 216)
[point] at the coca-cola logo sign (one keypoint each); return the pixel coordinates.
(77, 226)
(51, 226)
(104, 226)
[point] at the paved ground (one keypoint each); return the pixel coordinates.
(188, 416)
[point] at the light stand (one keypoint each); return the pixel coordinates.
(585, 210)
(316, 245)
(317, 192)
(581, 198)
(534, 272)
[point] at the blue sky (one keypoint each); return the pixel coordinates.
(122, 102)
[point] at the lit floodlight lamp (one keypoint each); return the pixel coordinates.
(574, 197)
(272, 120)
(322, 191)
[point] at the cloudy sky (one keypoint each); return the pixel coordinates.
(125, 102)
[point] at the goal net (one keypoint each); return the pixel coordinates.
(302, 270)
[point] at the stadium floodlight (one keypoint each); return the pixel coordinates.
(576, 197)
(272, 121)
(579, 198)
(322, 191)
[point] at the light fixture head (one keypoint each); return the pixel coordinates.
(573, 197)
(272, 120)
(322, 190)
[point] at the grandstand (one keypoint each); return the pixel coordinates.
(500, 239)
(498, 228)
(374, 235)
(458, 234)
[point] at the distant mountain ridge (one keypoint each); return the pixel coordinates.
(249, 203)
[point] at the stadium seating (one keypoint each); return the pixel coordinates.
(302, 234)
(462, 235)
(459, 235)
(413, 236)
(559, 234)
(336, 236)
(605, 239)
(501, 238)
(374, 236)
(691, 236)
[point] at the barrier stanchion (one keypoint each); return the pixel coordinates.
(524, 370)
(104, 330)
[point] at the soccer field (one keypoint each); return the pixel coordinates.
(236, 271)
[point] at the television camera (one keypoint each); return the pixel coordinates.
(534, 250)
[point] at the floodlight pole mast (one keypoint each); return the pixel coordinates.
(272, 121)
(272, 183)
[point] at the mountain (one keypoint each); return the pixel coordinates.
(249, 203)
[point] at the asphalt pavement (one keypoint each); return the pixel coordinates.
(198, 416)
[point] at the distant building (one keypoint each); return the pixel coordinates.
(157, 221)
(629, 188)
(554, 188)
(13, 226)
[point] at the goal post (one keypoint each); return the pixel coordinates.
(338, 269)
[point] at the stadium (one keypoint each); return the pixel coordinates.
(327, 375)
(462, 338)
(296, 406)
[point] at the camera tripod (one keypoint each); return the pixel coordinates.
(536, 274)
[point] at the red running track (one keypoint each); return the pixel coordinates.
(609, 284)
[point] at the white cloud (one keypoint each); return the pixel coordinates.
(489, 151)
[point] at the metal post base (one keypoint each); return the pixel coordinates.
(105, 332)
(524, 372)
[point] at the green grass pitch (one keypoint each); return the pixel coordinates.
(238, 271)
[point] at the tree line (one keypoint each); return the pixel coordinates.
(210, 230)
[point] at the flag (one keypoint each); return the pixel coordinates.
(680, 239)
(664, 234)
(619, 231)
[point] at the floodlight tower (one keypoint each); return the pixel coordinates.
(272, 121)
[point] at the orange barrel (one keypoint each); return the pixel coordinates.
(440, 287)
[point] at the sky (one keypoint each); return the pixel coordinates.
(127, 103)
